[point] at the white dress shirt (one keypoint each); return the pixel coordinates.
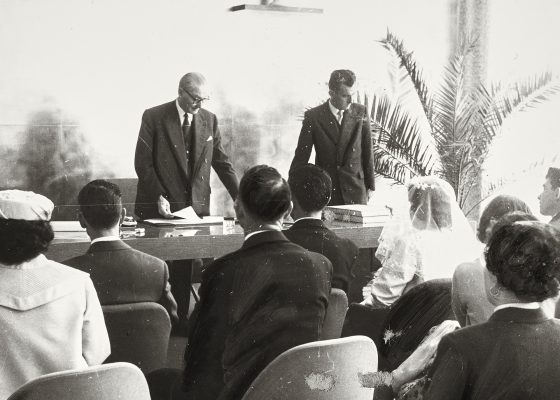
(182, 113)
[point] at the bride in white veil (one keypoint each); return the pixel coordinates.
(425, 242)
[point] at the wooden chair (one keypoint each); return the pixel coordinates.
(319, 370)
(139, 334)
(334, 319)
(121, 381)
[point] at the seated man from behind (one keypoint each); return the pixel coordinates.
(311, 191)
(257, 302)
(120, 273)
(50, 317)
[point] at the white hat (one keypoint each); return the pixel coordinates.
(29, 206)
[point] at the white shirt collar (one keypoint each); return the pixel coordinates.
(527, 306)
(335, 110)
(264, 230)
(299, 219)
(182, 113)
(105, 239)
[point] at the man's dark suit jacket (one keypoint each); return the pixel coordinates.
(123, 275)
(513, 356)
(313, 235)
(161, 162)
(255, 303)
(345, 152)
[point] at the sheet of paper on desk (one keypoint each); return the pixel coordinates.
(67, 226)
(187, 213)
(182, 222)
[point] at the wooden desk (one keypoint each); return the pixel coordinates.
(194, 242)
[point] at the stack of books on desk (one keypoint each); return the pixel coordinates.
(360, 213)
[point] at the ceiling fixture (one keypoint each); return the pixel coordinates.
(273, 5)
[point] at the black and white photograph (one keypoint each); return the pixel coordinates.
(279, 199)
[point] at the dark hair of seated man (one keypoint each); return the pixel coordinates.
(100, 204)
(311, 188)
(265, 195)
(525, 258)
(22, 240)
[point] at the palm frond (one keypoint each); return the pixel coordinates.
(395, 45)
(521, 97)
(388, 165)
(400, 136)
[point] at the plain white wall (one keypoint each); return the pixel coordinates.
(101, 63)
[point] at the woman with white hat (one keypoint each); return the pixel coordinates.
(50, 316)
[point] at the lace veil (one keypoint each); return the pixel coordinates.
(431, 237)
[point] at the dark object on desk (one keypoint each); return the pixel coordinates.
(139, 334)
(121, 381)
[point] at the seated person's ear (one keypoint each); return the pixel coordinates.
(557, 193)
(289, 211)
(82, 220)
(123, 214)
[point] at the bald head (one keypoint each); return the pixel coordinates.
(192, 80)
(192, 92)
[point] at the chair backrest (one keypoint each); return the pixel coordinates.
(139, 334)
(128, 188)
(319, 370)
(334, 319)
(121, 381)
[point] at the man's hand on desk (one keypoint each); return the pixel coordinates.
(164, 208)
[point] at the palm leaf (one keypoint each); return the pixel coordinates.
(393, 44)
(400, 136)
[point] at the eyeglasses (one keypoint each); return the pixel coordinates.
(196, 99)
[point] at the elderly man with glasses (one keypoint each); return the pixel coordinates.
(178, 143)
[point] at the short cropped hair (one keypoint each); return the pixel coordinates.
(311, 186)
(525, 258)
(264, 193)
(553, 175)
(496, 209)
(21, 240)
(101, 204)
(341, 77)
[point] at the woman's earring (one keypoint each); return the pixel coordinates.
(495, 291)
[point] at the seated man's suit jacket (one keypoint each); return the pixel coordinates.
(255, 303)
(513, 356)
(313, 235)
(123, 275)
(344, 151)
(161, 162)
